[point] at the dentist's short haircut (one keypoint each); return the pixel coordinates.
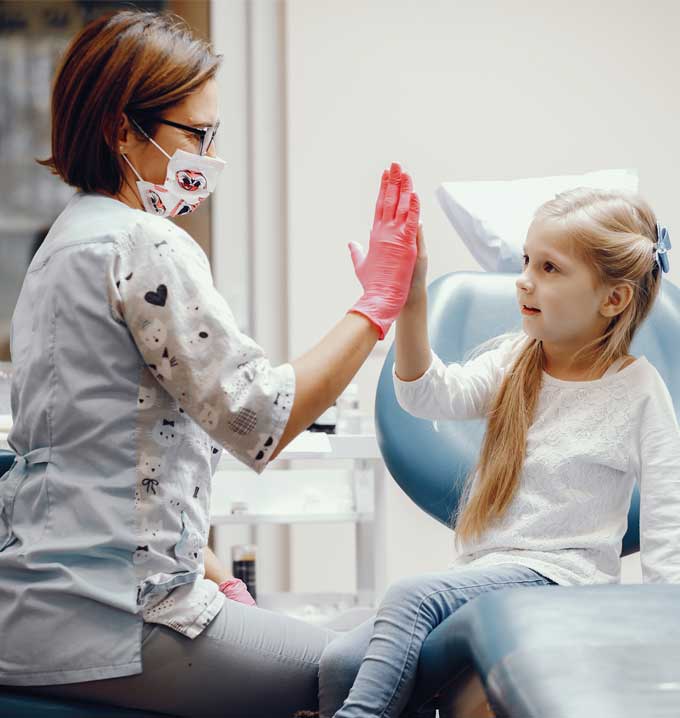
(129, 62)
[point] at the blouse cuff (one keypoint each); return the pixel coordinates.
(283, 404)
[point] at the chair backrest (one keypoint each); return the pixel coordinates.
(6, 461)
(430, 462)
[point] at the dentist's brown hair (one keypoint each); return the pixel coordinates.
(130, 62)
(615, 234)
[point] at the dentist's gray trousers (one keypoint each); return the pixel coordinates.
(248, 663)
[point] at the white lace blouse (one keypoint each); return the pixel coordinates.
(589, 442)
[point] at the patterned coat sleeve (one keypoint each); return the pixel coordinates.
(161, 288)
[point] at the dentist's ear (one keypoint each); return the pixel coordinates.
(127, 136)
(124, 138)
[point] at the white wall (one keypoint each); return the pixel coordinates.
(462, 90)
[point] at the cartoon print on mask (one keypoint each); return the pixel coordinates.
(168, 363)
(209, 417)
(154, 333)
(154, 201)
(191, 180)
(190, 543)
(166, 433)
(147, 396)
(244, 422)
(183, 207)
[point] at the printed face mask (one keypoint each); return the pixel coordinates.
(189, 179)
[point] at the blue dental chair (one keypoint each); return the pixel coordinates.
(548, 652)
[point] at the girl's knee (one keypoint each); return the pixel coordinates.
(407, 591)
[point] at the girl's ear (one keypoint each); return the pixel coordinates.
(617, 299)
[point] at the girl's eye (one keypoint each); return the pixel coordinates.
(525, 259)
(547, 264)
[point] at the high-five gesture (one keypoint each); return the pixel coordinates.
(385, 272)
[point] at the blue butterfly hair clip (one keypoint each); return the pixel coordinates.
(663, 244)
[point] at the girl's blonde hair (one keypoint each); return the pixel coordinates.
(615, 234)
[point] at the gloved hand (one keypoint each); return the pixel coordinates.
(385, 272)
(235, 589)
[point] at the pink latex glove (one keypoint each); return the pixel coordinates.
(385, 272)
(235, 589)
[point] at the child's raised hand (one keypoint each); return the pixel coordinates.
(419, 278)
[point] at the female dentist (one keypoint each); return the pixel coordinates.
(130, 377)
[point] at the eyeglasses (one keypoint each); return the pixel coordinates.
(207, 134)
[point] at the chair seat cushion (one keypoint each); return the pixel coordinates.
(555, 651)
(16, 703)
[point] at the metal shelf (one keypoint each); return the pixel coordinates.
(254, 519)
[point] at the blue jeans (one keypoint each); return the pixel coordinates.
(378, 660)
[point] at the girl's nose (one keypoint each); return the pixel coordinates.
(523, 283)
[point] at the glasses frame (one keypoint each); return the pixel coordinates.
(207, 134)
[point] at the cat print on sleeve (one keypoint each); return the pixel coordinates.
(147, 397)
(208, 417)
(166, 433)
(154, 333)
(149, 471)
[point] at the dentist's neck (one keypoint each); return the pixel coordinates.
(128, 193)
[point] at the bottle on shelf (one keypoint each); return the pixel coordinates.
(349, 420)
(326, 422)
(243, 566)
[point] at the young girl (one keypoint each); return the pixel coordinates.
(573, 421)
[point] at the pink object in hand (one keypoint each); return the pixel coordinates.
(385, 272)
(235, 589)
